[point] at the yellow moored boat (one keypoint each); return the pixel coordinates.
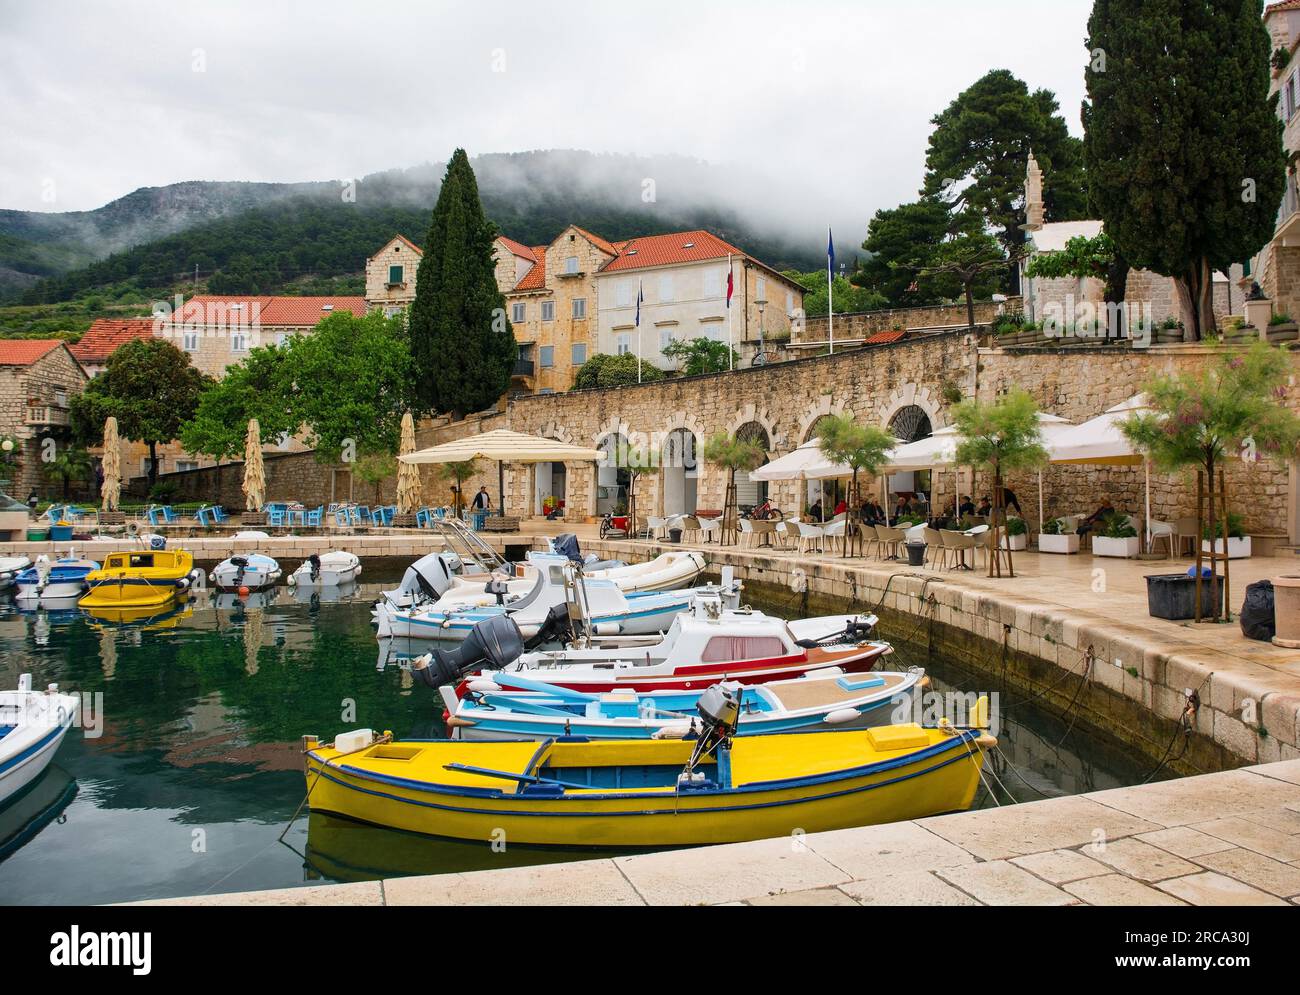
(139, 579)
(620, 793)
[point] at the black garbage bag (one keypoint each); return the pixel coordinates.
(1257, 612)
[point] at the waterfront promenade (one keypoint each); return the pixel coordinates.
(1231, 838)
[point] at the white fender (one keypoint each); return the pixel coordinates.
(841, 715)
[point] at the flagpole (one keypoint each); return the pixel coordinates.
(731, 354)
(640, 293)
(830, 289)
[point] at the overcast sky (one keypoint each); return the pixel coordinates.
(831, 101)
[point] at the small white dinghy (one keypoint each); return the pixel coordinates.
(11, 567)
(254, 571)
(327, 570)
(32, 725)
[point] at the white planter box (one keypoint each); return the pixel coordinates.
(1128, 548)
(1067, 543)
(1238, 547)
(1015, 542)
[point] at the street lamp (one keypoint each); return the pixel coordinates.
(761, 303)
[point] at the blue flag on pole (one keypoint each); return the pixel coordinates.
(830, 254)
(640, 296)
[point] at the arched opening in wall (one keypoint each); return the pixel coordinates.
(681, 473)
(550, 487)
(825, 492)
(612, 480)
(751, 493)
(910, 423)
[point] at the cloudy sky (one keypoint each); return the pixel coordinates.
(829, 101)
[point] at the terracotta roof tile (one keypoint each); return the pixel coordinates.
(418, 250)
(518, 248)
(103, 337)
(1275, 8)
(602, 244)
(219, 309)
(881, 338)
(308, 310)
(535, 278)
(24, 352)
(667, 250)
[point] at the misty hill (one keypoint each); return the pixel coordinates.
(261, 237)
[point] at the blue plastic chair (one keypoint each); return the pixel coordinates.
(219, 514)
(201, 516)
(169, 514)
(275, 517)
(152, 513)
(341, 517)
(315, 517)
(54, 513)
(424, 518)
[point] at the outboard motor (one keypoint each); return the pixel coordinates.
(492, 644)
(858, 630)
(566, 544)
(314, 560)
(240, 562)
(719, 707)
(427, 579)
(557, 628)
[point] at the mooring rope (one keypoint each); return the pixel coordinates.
(385, 738)
(1190, 708)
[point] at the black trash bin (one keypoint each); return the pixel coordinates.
(1173, 596)
(915, 554)
(674, 535)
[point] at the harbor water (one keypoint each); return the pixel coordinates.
(190, 767)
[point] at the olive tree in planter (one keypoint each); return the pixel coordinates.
(1198, 420)
(1055, 539)
(733, 454)
(999, 437)
(1116, 536)
(864, 448)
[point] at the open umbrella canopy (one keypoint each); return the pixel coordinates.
(111, 490)
(504, 446)
(1100, 440)
(408, 474)
(939, 450)
(808, 462)
(254, 473)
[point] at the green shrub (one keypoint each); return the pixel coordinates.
(1117, 527)
(1236, 528)
(1052, 527)
(1016, 526)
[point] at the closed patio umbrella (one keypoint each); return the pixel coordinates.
(408, 474)
(254, 474)
(111, 490)
(503, 446)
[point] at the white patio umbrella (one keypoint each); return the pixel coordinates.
(808, 462)
(1101, 441)
(503, 446)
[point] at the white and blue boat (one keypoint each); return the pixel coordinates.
(53, 580)
(10, 568)
(502, 705)
(251, 571)
(606, 609)
(32, 725)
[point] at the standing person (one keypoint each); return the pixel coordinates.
(482, 502)
(33, 500)
(99, 477)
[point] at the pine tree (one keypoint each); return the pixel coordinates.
(461, 340)
(1183, 146)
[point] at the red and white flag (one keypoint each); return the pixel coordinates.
(729, 280)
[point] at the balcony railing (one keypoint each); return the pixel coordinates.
(523, 368)
(1290, 201)
(44, 414)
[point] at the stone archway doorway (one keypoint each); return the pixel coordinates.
(751, 493)
(681, 472)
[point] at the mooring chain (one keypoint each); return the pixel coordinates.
(1186, 720)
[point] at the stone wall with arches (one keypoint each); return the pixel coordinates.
(874, 385)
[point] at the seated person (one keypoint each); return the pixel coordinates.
(985, 507)
(901, 508)
(1096, 518)
(967, 507)
(841, 507)
(815, 512)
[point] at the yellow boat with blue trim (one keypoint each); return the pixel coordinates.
(619, 793)
(139, 579)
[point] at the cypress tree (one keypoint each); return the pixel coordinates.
(1183, 146)
(462, 344)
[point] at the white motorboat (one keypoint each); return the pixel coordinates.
(327, 570)
(32, 725)
(11, 567)
(53, 580)
(251, 571)
(556, 585)
(704, 646)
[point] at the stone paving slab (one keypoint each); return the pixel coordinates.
(1060, 851)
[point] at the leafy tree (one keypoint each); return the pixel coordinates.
(700, 355)
(352, 383)
(70, 463)
(1094, 257)
(461, 340)
(979, 152)
(733, 453)
(1182, 141)
(849, 298)
(998, 437)
(1200, 419)
(969, 259)
(375, 468)
(260, 386)
(862, 447)
(900, 241)
(604, 370)
(150, 387)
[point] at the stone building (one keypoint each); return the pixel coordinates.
(38, 378)
(103, 337)
(390, 275)
(1277, 266)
